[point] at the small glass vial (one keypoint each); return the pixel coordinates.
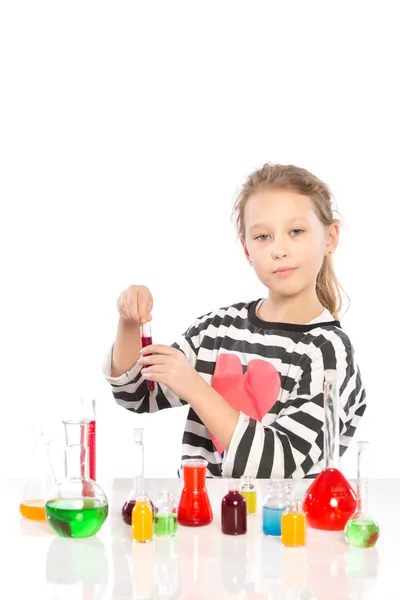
(248, 490)
(165, 517)
(142, 520)
(275, 503)
(233, 511)
(294, 525)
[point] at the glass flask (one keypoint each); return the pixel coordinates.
(361, 530)
(330, 500)
(248, 490)
(77, 507)
(277, 499)
(194, 507)
(165, 516)
(294, 525)
(142, 520)
(40, 479)
(138, 478)
(234, 511)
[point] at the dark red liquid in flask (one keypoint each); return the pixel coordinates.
(330, 500)
(147, 340)
(234, 511)
(194, 507)
(127, 509)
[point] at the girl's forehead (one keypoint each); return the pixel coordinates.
(282, 205)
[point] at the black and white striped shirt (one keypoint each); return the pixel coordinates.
(288, 443)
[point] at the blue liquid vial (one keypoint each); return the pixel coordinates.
(272, 520)
(275, 503)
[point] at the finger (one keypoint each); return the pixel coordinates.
(122, 307)
(153, 359)
(157, 349)
(156, 373)
(144, 305)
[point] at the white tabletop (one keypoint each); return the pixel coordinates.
(199, 562)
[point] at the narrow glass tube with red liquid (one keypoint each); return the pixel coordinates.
(194, 507)
(330, 500)
(137, 490)
(147, 340)
(88, 412)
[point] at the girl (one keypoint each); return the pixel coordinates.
(282, 343)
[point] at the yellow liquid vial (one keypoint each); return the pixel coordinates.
(142, 521)
(293, 528)
(33, 509)
(251, 501)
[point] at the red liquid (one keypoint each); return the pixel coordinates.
(127, 509)
(91, 449)
(194, 507)
(330, 501)
(147, 341)
(233, 514)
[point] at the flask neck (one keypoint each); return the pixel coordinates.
(138, 466)
(331, 432)
(362, 476)
(76, 462)
(194, 477)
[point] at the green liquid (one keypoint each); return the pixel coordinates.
(76, 517)
(361, 533)
(165, 525)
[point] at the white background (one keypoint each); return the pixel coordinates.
(125, 130)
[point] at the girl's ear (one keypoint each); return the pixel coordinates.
(332, 238)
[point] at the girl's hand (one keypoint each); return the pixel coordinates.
(135, 304)
(171, 367)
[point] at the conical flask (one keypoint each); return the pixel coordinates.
(77, 506)
(361, 530)
(330, 500)
(194, 508)
(137, 490)
(40, 479)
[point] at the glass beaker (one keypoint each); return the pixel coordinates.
(165, 517)
(40, 479)
(361, 530)
(78, 506)
(137, 490)
(294, 525)
(248, 490)
(234, 511)
(277, 499)
(330, 500)
(194, 508)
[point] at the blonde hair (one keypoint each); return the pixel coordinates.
(290, 177)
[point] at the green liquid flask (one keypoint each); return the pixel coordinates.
(361, 530)
(165, 516)
(77, 507)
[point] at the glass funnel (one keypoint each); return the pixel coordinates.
(361, 530)
(137, 490)
(40, 479)
(330, 500)
(77, 507)
(194, 507)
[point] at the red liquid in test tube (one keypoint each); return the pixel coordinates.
(147, 340)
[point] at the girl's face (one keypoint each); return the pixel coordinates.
(285, 241)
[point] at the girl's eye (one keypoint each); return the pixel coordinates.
(297, 231)
(262, 237)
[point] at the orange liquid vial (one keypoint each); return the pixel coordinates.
(142, 521)
(33, 509)
(294, 526)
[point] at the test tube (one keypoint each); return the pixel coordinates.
(147, 340)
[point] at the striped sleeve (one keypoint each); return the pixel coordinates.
(293, 444)
(130, 389)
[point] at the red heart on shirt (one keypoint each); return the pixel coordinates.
(253, 393)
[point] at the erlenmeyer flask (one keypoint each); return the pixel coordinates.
(40, 479)
(361, 530)
(137, 490)
(330, 500)
(78, 506)
(194, 505)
